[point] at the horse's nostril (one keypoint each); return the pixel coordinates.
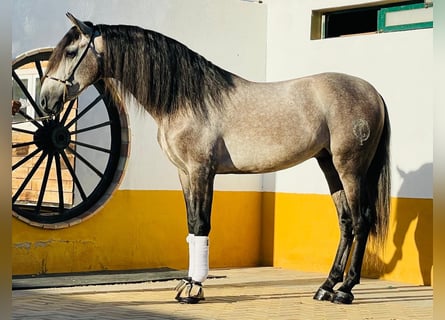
(43, 102)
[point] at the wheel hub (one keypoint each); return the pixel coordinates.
(52, 137)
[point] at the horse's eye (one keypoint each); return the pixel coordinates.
(71, 53)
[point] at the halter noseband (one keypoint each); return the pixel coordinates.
(67, 81)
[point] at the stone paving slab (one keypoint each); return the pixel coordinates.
(248, 293)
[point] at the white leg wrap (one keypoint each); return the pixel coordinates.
(201, 258)
(191, 241)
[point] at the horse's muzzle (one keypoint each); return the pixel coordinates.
(50, 110)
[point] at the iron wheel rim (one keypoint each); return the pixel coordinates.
(53, 144)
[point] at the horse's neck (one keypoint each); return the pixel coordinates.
(152, 88)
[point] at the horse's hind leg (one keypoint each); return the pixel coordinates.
(326, 291)
(351, 168)
(356, 192)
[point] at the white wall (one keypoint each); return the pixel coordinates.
(263, 41)
(230, 33)
(398, 64)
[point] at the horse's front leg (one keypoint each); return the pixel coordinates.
(197, 186)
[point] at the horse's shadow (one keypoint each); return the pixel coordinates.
(405, 214)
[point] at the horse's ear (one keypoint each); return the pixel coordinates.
(83, 27)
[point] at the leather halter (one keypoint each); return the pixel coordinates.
(67, 82)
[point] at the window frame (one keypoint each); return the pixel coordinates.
(381, 20)
(32, 78)
(317, 31)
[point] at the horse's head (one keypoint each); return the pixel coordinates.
(74, 65)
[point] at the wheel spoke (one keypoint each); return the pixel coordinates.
(84, 111)
(23, 130)
(73, 175)
(59, 183)
(27, 94)
(97, 126)
(28, 177)
(32, 120)
(23, 144)
(67, 111)
(90, 146)
(39, 68)
(25, 159)
(86, 162)
(44, 183)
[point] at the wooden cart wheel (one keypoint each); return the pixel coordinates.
(63, 168)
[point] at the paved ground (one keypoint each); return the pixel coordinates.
(252, 293)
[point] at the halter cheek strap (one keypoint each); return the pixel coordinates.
(67, 81)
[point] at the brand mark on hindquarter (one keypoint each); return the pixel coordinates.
(361, 130)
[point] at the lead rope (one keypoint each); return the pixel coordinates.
(34, 119)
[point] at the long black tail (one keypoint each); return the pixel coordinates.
(379, 178)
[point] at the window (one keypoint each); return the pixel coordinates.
(340, 22)
(31, 81)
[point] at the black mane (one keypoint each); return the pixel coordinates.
(162, 74)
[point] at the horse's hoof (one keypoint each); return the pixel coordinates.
(341, 297)
(189, 300)
(189, 292)
(324, 295)
(182, 284)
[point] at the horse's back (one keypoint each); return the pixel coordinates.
(339, 94)
(271, 126)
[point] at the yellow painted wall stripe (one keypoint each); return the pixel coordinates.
(141, 229)
(306, 237)
(147, 229)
